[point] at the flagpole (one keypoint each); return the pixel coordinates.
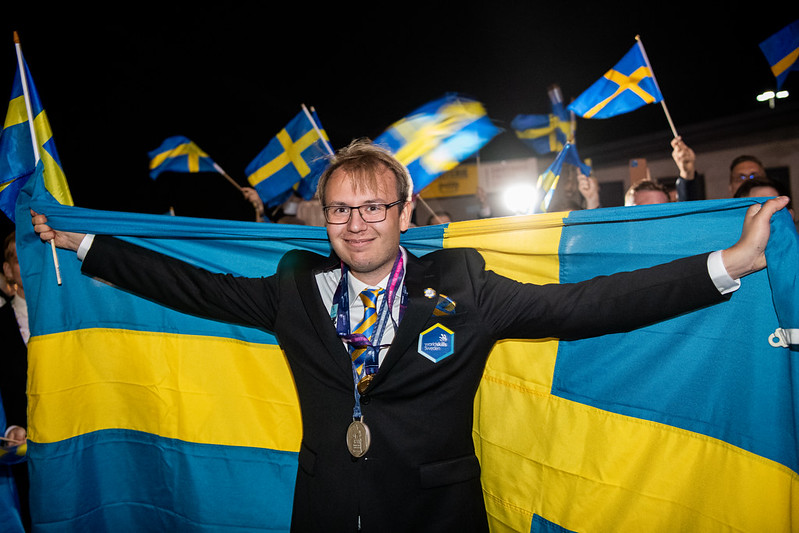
(231, 180)
(663, 100)
(317, 130)
(34, 140)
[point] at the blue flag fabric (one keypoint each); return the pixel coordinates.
(545, 133)
(630, 84)
(548, 181)
(292, 161)
(17, 157)
(437, 136)
(782, 51)
(145, 418)
(179, 154)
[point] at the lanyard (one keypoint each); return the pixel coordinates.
(341, 310)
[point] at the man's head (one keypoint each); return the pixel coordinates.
(744, 168)
(11, 264)
(762, 187)
(646, 192)
(363, 174)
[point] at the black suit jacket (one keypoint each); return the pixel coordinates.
(421, 472)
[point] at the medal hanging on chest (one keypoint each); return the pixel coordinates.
(358, 434)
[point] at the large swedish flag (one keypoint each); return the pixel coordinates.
(146, 419)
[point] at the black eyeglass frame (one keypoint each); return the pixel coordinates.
(358, 208)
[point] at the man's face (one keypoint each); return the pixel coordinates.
(368, 248)
(746, 169)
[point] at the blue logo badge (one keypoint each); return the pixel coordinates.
(437, 343)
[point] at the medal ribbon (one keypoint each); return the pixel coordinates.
(368, 361)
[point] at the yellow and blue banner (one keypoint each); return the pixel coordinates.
(437, 136)
(17, 156)
(782, 51)
(142, 418)
(630, 84)
(545, 133)
(292, 161)
(180, 154)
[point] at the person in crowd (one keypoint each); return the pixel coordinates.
(387, 411)
(646, 192)
(15, 333)
(742, 168)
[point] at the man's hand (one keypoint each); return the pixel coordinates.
(589, 189)
(16, 436)
(684, 157)
(62, 239)
(748, 254)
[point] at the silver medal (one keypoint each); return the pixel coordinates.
(358, 438)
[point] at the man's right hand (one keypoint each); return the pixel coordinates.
(63, 239)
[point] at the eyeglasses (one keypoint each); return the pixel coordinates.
(341, 214)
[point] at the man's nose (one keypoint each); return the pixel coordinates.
(356, 221)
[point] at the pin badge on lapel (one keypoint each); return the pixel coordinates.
(429, 293)
(437, 343)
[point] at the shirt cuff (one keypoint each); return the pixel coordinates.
(718, 273)
(85, 244)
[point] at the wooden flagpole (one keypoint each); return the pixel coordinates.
(663, 100)
(34, 140)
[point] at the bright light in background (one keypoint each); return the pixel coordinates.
(770, 96)
(521, 199)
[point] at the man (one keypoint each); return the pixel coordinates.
(646, 192)
(387, 442)
(742, 168)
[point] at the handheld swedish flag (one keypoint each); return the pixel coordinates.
(548, 181)
(437, 136)
(630, 84)
(179, 154)
(545, 133)
(293, 160)
(23, 146)
(782, 51)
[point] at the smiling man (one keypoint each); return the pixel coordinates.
(387, 349)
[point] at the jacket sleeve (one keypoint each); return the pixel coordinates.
(181, 286)
(605, 304)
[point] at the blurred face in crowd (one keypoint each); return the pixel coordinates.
(646, 197)
(368, 248)
(743, 171)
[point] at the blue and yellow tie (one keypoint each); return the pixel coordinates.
(365, 327)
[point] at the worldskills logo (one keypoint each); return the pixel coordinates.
(437, 343)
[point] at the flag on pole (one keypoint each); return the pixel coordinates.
(297, 153)
(545, 133)
(782, 51)
(437, 136)
(179, 154)
(630, 84)
(548, 181)
(19, 154)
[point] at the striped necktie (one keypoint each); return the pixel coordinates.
(366, 327)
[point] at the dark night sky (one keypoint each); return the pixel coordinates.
(230, 77)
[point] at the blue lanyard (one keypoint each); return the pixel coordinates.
(341, 310)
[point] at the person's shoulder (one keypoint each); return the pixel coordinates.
(455, 256)
(298, 258)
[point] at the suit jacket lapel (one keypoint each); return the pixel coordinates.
(319, 316)
(418, 276)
